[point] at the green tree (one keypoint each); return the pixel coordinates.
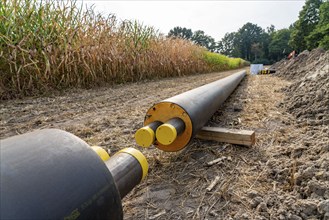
(181, 33)
(249, 34)
(229, 45)
(279, 46)
(319, 37)
(250, 42)
(271, 29)
(199, 37)
(265, 41)
(306, 23)
(256, 49)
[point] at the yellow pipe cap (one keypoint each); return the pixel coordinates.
(166, 134)
(145, 136)
(101, 153)
(139, 157)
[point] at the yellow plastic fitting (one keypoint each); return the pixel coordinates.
(139, 157)
(166, 134)
(101, 153)
(145, 136)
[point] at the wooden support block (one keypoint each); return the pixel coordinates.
(232, 136)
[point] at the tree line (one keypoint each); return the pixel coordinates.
(257, 45)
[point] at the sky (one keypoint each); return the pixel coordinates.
(215, 18)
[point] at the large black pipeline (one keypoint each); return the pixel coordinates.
(191, 110)
(52, 174)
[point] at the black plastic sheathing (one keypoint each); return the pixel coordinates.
(154, 125)
(126, 171)
(202, 102)
(178, 124)
(52, 174)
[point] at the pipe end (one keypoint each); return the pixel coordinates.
(166, 134)
(145, 136)
(139, 157)
(101, 153)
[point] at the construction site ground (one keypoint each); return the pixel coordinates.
(285, 175)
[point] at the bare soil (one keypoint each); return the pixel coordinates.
(284, 176)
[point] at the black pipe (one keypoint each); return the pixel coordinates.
(201, 103)
(178, 124)
(52, 174)
(194, 107)
(128, 168)
(154, 125)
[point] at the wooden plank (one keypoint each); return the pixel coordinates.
(232, 136)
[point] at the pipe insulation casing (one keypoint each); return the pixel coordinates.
(128, 168)
(52, 174)
(194, 107)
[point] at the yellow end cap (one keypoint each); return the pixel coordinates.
(101, 153)
(166, 134)
(145, 136)
(139, 157)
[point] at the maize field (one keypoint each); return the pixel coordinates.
(53, 45)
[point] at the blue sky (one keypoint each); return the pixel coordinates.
(214, 17)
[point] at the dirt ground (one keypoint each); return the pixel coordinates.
(284, 176)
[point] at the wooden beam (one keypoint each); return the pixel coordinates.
(232, 136)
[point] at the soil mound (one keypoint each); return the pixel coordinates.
(307, 164)
(308, 95)
(303, 65)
